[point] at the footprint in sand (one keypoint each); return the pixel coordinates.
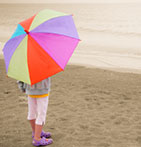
(7, 92)
(138, 139)
(22, 100)
(104, 145)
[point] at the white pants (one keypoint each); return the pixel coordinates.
(37, 109)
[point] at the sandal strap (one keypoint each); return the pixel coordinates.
(45, 134)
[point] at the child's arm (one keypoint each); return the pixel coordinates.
(21, 86)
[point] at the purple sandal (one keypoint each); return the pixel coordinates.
(43, 134)
(42, 142)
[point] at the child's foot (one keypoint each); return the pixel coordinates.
(43, 134)
(42, 142)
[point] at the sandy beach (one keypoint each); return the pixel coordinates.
(88, 107)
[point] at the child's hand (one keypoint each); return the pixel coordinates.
(21, 86)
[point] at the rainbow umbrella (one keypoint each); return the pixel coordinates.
(40, 47)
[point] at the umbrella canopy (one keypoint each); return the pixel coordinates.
(41, 46)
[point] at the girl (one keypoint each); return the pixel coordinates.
(38, 95)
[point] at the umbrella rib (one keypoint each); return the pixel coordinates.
(57, 34)
(48, 54)
(49, 20)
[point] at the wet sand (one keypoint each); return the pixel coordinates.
(88, 107)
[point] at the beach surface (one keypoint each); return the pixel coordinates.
(88, 107)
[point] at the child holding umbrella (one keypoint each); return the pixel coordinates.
(38, 95)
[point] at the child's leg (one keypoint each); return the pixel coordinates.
(38, 130)
(32, 123)
(42, 105)
(32, 110)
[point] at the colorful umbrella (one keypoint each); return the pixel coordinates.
(40, 47)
